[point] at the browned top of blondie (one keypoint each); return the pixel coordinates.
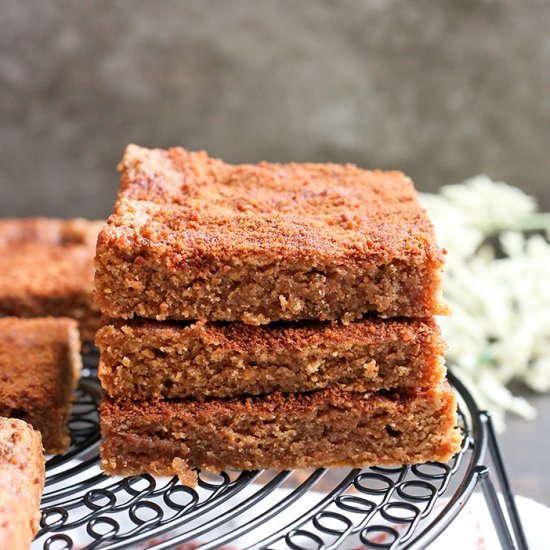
(38, 362)
(188, 205)
(43, 257)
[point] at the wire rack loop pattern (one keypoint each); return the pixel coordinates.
(378, 508)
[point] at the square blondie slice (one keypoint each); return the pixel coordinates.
(143, 359)
(39, 368)
(192, 237)
(46, 269)
(281, 432)
(22, 473)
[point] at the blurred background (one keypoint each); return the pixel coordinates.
(440, 90)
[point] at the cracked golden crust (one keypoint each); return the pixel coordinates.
(199, 205)
(184, 219)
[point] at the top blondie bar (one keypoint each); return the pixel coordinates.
(192, 237)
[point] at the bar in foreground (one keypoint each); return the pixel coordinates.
(22, 474)
(40, 365)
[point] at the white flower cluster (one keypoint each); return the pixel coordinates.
(497, 283)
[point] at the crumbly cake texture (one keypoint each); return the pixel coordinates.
(46, 269)
(40, 366)
(142, 359)
(22, 473)
(324, 428)
(192, 237)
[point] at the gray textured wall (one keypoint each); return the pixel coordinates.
(441, 90)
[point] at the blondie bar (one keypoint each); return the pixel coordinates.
(39, 368)
(46, 269)
(22, 475)
(323, 428)
(142, 359)
(192, 237)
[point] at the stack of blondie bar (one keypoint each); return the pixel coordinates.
(268, 316)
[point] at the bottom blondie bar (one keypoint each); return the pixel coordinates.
(323, 428)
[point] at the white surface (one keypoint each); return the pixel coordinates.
(473, 530)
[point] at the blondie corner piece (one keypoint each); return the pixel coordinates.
(192, 237)
(40, 366)
(324, 428)
(142, 359)
(46, 269)
(22, 473)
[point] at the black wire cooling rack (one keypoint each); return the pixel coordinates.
(379, 508)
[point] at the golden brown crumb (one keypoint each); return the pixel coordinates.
(186, 476)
